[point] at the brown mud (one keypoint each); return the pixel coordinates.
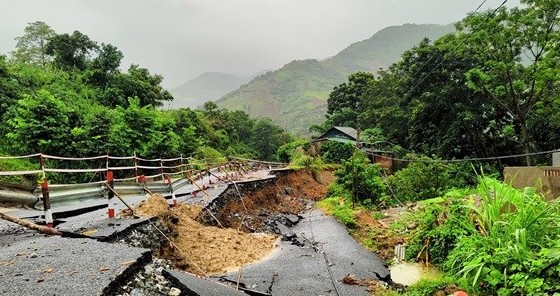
(203, 249)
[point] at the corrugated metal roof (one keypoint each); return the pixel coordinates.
(350, 131)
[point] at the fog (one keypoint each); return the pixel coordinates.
(181, 39)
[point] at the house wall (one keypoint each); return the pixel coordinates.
(545, 179)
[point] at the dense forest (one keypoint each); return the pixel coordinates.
(66, 95)
(489, 89)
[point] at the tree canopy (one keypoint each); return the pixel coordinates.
(489, 89)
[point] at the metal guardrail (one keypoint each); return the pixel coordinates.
(61, 193)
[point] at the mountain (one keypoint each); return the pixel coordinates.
(295, 96)
(208, 86)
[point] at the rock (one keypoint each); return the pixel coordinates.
(33, 255)
(283, 230)
(174, 292)
(160, 279)
(137, 292)
(149, 269)
(288, 190)
(292, 220)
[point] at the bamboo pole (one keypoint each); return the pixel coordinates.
(201, 189)
(30, 225)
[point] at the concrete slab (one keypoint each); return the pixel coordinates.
(61, 266)
(196, 286)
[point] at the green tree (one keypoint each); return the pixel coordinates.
(31, 47)
(361, 178)
(71, 52)
(267, 138)
(137, 82)
(9, 88)
(41, 123)
(105, 65)
(520, 54)
(346, 99)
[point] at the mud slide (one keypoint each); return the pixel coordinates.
(247, 236)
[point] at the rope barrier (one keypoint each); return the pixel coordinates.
(19, 173)
(22, 156)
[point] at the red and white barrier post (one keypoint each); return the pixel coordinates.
(170, 184)
(110, 195)
(47, 203)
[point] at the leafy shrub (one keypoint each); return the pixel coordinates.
(346, 216)
(340, 208)
(429, 287)
(440, 224)
(18, 165)
(515, 249)
(286, 152)
(427, 179)
(336, 152)
(361, 179)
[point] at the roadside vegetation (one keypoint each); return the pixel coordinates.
(446, 111)
(64, 94)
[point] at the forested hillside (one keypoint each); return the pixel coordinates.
(295, 95)
(66, 95)
(489, 89)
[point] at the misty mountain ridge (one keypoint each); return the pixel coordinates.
(208, 86)
(295, 96)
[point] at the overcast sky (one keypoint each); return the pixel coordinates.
(181, 39)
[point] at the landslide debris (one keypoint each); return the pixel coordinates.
(259, 209)
(200, 249)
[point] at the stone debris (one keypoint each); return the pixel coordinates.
(150, 281)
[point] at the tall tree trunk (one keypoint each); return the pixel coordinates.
(525, 141)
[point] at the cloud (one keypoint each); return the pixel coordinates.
(183, 38)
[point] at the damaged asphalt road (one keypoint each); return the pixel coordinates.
(294, 270)
(312, 260)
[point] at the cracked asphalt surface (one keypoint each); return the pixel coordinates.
(63, 266)
(87, 267)
(294, 270)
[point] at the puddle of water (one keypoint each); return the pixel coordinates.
(406, 273)
(410, 273)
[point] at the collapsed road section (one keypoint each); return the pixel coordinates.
(261, 237)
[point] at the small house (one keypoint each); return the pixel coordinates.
(349, 135)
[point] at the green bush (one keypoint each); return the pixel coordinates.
(429, 179)
(285, 153)
(19, 165)
(340, 208)
(346, 216)
(336, 152)
(429, 287)
(440, 223)
(361, 179)
(515, 249)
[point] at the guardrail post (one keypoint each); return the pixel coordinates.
(135, 166)
(110, 195)
(47, 203)
(208, 175)
(42, 164)
(170, 184)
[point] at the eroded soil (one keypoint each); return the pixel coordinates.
(203, 249)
